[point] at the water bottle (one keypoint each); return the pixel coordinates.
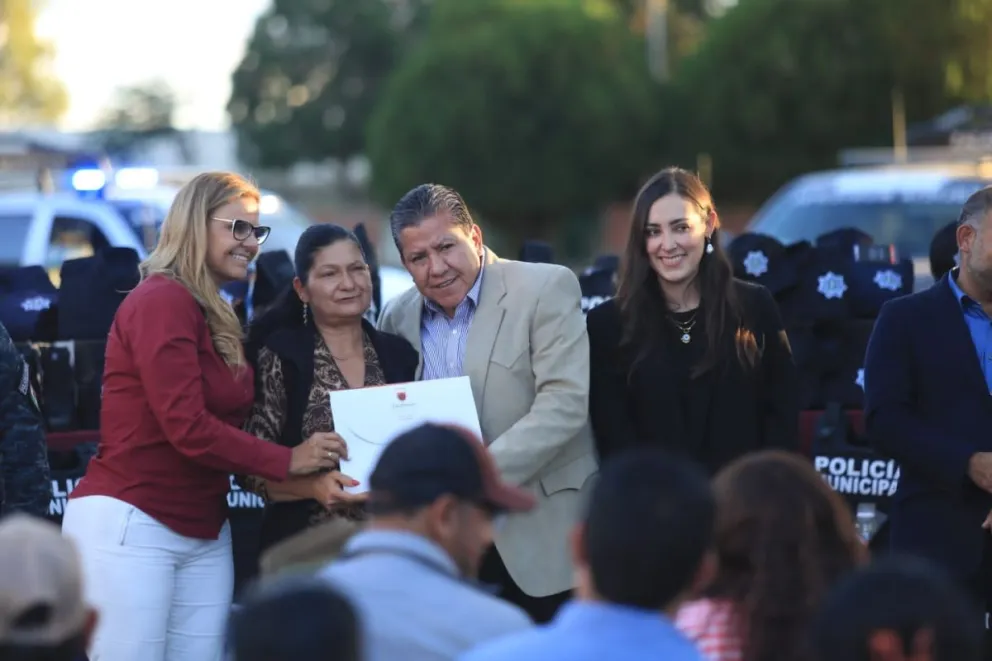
(866, 521)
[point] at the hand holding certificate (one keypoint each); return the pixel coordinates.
(369, 418)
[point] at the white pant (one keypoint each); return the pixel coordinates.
(159, 596)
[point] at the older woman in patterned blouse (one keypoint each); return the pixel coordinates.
(312, 341)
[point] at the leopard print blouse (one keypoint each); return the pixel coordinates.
(269, 413)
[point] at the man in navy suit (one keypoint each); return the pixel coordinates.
(928, 405)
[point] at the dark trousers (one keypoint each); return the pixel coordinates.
(540, 609)
(979, 587)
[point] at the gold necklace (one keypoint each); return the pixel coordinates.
(685, 327)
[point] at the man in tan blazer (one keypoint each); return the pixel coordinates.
(517, 331)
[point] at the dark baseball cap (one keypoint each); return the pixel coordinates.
(430, 461)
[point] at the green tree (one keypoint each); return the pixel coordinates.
(312, 74)
(536, 110)
(703, 9)
(779, 87)
(945, 46)
(139, 114)
(28, 91)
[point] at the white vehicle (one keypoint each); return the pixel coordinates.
(135, 193)
(47, 229)
(393, 281)
(901, 205)
(145, 203)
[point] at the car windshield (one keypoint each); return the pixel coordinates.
(13, 236)
(908, 223)
(144, 219)
(287, 224)
(290, 216)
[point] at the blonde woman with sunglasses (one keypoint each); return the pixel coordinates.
(150, 516)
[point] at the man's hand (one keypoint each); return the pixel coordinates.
(980, 470)
(987, 525)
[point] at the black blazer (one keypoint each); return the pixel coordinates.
(295, 348)
(737, 410)
(928, 407)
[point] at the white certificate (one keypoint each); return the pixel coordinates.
(369, 418)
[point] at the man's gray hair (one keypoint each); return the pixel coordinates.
(976, 208)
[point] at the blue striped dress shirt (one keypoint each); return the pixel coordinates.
(443, 340)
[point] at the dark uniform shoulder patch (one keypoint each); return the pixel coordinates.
(25, 386)
(26, 389)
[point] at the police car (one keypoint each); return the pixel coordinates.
(125, 208)
(901, 205)
(148, 205)
(47, 229)
(142, 195)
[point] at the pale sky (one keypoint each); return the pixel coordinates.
(194, 45)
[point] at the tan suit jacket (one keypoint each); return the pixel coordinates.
(527, 357)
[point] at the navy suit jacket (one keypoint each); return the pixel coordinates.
(928, 407)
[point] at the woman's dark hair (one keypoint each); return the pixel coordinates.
(641, 299)
(287, 310)
(783, 538)
(294, 618)
(907, 597)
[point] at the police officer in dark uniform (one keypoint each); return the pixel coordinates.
(25, 483)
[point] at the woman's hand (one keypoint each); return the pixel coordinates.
(329, 489)
(321, 450)
(333, 441)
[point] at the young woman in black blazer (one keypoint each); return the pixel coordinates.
(314, 340)
(686, 357)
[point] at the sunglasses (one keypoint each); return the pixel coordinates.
(242, 229)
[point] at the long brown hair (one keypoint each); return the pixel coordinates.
(641, 300)
(783, 537)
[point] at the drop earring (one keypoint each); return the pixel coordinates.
(709, 246)
(306, 312)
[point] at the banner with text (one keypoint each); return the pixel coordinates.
(237, 498)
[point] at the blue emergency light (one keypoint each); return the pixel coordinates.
(94, 181)
(90, 180)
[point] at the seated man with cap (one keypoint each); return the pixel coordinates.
(434, 495)
(641, 549)
(42, 611)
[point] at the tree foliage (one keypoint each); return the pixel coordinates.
(943, 48)
(778, 87)
(312, 74)
(534, 109)
(139, 114)
(28, 91)
(701, 9)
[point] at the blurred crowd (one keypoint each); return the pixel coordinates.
(767, 539)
